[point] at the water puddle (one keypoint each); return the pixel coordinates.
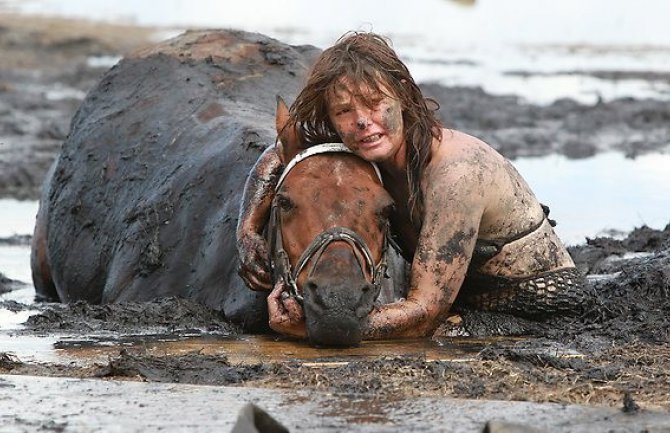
(595, 196)
(102, 405)
(242, 350)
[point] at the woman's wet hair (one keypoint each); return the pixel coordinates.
(367, 61)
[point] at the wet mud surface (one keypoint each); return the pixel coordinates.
(615, 354)
(47, 68)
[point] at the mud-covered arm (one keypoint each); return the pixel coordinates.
(450, 227)
(254, 212)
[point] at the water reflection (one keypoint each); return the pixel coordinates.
(243, 350)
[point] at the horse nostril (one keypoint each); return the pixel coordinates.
(311, 295)
(369, 289)
(311, 286)
(366, 301)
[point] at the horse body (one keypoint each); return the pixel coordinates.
(143, 200)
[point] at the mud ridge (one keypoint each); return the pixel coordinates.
(170, 314)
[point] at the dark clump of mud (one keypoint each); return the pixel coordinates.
(16, 240)
(190, 368)
(9, 362)
(631, 282)
(170, 314)
(7, 284)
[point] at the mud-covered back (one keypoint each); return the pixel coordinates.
(144, 197)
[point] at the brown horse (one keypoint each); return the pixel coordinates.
(329, 235)
(142, 203)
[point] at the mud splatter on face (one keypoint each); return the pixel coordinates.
(349, 138)
(392, 117)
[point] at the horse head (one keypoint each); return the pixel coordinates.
(329, 228)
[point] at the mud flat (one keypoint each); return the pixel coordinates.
(612, 359)
(603, 370)
(71, 405)
(47, 67)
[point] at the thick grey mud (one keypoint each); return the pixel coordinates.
(616, 352)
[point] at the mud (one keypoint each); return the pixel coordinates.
(616, 354)
(517, 128)
(164, 315)
(8, 284)
(46, 70)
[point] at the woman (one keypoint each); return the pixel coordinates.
(464, 218)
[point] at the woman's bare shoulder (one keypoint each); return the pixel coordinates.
(460, 149)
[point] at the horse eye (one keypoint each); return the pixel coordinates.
(384, 213)
(285, 203)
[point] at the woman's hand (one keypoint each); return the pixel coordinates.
(286, 314)
(254, 261)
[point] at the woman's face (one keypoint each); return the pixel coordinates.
(368, 122)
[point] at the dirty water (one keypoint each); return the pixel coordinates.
(602, 195)
(89, 350)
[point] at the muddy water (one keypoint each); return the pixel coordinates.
(240, 350)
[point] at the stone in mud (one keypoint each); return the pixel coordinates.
(253, 419)
(142, 202)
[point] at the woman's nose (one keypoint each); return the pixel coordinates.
(362, 122)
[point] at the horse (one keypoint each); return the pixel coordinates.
(329, 236)
(143, 200)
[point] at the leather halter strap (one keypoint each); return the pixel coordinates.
(315, 150)
(281, 266)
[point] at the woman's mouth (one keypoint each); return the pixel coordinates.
(371, 138)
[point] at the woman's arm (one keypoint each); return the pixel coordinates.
(254, 212)
(454, 206)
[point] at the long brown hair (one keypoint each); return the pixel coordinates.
(368, 60)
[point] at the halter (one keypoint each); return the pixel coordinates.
(281, 266)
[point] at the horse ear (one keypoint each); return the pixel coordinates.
(289, 144)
